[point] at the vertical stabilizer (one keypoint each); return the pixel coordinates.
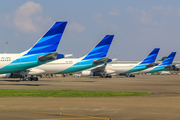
(151, 57)
(50, 41)
(169, 59)
(101, 49)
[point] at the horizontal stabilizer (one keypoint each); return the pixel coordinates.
(150, 65)
(169, 66)
(49, 56)
(109, 60)
(114, 59)
(103, 60)
(59, 56)
(68, 55)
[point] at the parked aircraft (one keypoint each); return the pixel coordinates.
(95, 57)
(43, 51)
(107, 69)
(165, 64)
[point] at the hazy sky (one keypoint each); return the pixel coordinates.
(138, 25)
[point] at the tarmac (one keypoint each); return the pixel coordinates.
(163, 104)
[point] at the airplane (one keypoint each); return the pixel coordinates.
(108, 69)
(43, 51)
(96, 56)
(165, 64)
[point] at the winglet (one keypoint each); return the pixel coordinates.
(169, 59)
(50, 41)
(151, 57)
(101, 49)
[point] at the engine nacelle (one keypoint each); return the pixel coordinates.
(15, 75)
(170, 66)
(87, 73)
(91, 73)
(5, 75)
(34, 71)
(109, 71)
(10, 75)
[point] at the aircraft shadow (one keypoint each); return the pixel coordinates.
(27, 84)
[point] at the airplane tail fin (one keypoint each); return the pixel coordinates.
(169, 59)
(151, 57)
(101, 49)
(50, 41)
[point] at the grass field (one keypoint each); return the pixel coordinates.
(66, 93)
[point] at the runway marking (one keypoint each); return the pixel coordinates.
(62, 114)
(73, 115)
(63, 119)
(69, 119)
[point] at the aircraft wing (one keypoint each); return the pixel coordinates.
(150, 65)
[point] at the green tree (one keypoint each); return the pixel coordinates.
(163, 58)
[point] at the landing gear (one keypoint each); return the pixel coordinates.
(21, 78)
(36, 79)
(24, 78)
(106, 76)
(127, 75)
(33, 78)
(29, 78)
(131, 75)
(64, 75)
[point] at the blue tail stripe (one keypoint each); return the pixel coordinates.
(95, 54)
(43, 39)
(151, 57)
(106, 40)
(38, 48)
(44, 47)
(101, 48)
(96, 48)
(49, 42)
(99, 55)
(44, 50)
(56, 29)
(169, 59)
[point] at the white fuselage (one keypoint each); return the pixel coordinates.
(146, 70)
(57, 65)
(120, 67)
(6, 59)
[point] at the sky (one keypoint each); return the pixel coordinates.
(139, 26)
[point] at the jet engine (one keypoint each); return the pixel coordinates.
(97, 73)
(87, 73)
(91, 73)
(10, 75)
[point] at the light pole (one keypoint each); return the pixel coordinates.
(6, 46)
